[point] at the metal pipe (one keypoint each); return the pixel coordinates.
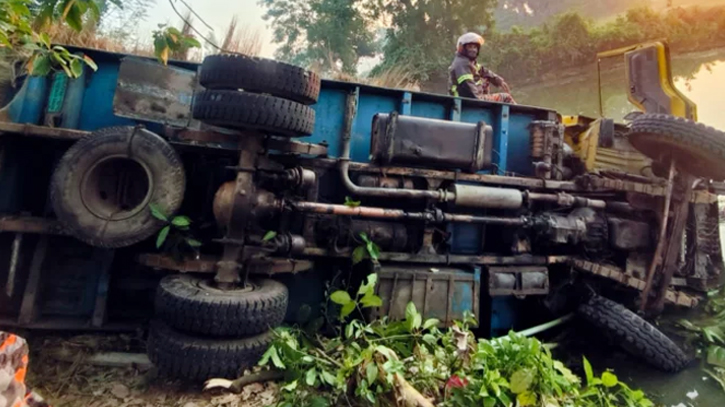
(384, 213)
(545, 327)
(344, 160)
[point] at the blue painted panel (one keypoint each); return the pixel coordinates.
(463, 295)
(504, 312)
(466, 238)
(329, 119)
(369, 105)
(27, 105)
(431, 110)
(97, 110)
(519, 145)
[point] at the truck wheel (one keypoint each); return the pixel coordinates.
(197, 359)
(103, 185)
(194, 305)
(242, 110)
(698, 149)
(258, 75)
(634, 334)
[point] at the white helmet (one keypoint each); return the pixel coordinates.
(469, 38)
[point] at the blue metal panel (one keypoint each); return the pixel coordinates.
(329, 119)
(405, 103)
(27, 105)
(501, 140)
(455, 113)
(503, 315)
(429, 109)
(519, 144)
(368, 106)
(463, 298)
(97, 108)
(466, 238)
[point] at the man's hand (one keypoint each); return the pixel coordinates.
(505, 87)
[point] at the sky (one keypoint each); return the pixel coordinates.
(217, 13)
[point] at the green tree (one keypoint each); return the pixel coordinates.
(421, 35)
(329, 34)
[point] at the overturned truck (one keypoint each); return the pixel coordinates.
(460, 206)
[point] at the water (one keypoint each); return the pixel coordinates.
(700, 76)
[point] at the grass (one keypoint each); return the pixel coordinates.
(243, 40)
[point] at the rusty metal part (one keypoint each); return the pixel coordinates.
(209, 264)
(340, 233)
(680, 210)
(547, 145)
(472, 196)
(613, 273)
(625, 234)
(239, 211)
(518, 281)
(566, 200)
(374, 181)
(344, 165)
(295, 179)
(263, 202)
(41, 131)
(283, 244)
(384, 213)
(27, 224)
(520, 260)
(14, 260)
(411, 140)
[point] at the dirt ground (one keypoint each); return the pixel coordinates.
(59, 372)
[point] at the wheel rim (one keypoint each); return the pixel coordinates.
(116, 187)
(208, 285)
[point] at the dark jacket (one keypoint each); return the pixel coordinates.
(466, 78)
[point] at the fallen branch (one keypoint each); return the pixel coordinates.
(408, 395)
(236, 386)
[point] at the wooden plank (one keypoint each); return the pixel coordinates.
(41, 131)
(29, 224)
(105, 258)
(28, 310)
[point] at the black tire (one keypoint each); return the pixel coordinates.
(103, 185)
(193, 305)
(197, 359)
(258, 75)
(242, 110)
(698, 149)
(635, 335)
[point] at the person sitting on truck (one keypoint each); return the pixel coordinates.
(469, 79)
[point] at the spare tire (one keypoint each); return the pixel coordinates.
(242, 110)
(197, 359)
(194, 305)
(103, 185)
(258, 75)
(698, 149)
(635, 335)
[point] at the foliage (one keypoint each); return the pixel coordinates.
(174, 236)
(330, 35)
(708, 335)
(350, 203)
(18, 34)
(368, 249)
(169, 40)
(383, 362)
(365, 298)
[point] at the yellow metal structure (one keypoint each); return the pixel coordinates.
(650, 88)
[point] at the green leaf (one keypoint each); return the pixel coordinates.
(364, 237)
(181, 221)
(193, 242)
(347, 309)
(161, 238)
(521, 381)
(373, 250)
(76, 68)
(329, 378)
(369, 286)
(430, 339)
(157, 213)
(310, 377)
(430, 323)
(716, 355)
(45, 39)
(74, 18)
(340, 297)
(192, 42)
(319, 401)
(290, 386)
(41, 65)
(268, 354)
(371, 372)
(412, 318)
(568, 375)
(358, 254)
(588, 371)
(609, 379)
(371, 301)
(526, 399)
(271, 234)
(90, 62)
(350, 203)
(276, 361)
